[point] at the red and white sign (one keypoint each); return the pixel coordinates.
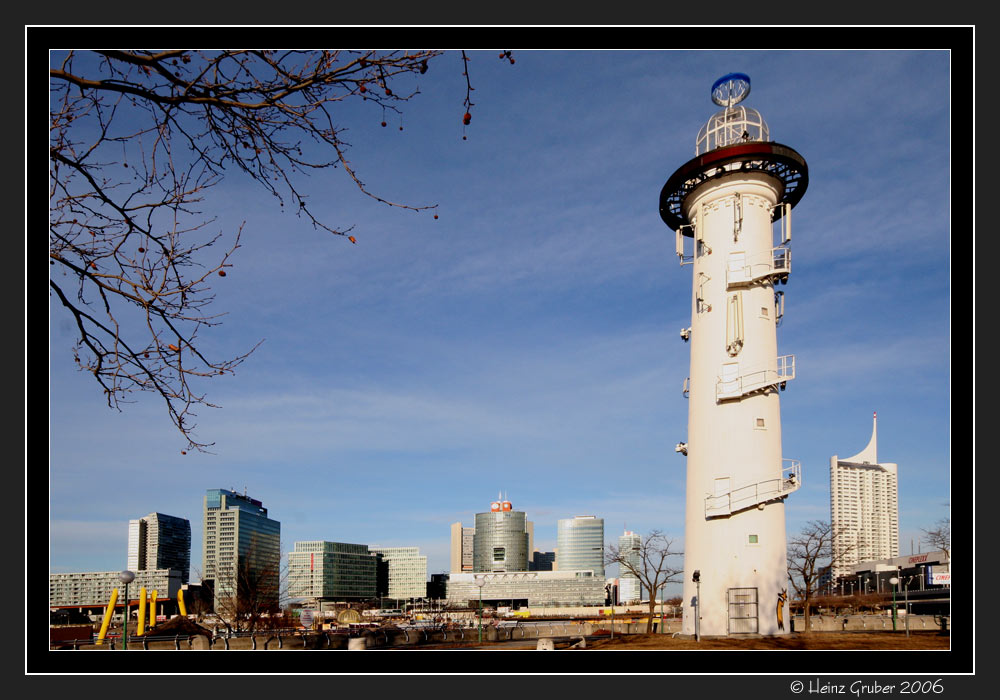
(941, 579)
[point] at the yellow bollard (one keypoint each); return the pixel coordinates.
(180, 603)
(152, 609)
(107, 616)
(141, 629)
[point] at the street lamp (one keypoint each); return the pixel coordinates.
(895, 584)
(696, 577)
(480, 581)
(126, 577)
(663, 600)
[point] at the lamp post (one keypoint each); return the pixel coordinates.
(697, 605)
(126, 577)
(480, 581)
(906, 603)
(663, 600)
(895, 584)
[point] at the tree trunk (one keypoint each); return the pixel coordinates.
(652, 611)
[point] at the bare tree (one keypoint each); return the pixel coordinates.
(137, 141)
(811, 560)
(939, 536)
(248, 590)
(650, 562)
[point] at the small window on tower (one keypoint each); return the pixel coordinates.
(759, 424)
(763, 312)
(752, 539)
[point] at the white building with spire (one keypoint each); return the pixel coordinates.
(864, 507)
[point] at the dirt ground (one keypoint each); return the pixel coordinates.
(812, 640)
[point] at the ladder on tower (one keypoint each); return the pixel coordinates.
(734, 384)
(751, 495)
(742, 271)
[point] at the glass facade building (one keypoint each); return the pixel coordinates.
(407, 571)
(159, 541)
(332, 571)
(501, 542)
(580, 544)
(242, 547)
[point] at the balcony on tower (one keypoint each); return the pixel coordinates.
(735, 383)
(726, 500)
(743, 270)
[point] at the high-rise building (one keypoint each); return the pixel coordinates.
(864, 507)
(629, 585)
(543, 561)
(580, 543)
(407, 571)
(461, 547)
(332, 571)
(241, 553)
(160, 541)
(502, 539)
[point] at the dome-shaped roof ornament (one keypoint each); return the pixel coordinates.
(731, 89)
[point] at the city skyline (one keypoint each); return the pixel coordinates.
(527, 340)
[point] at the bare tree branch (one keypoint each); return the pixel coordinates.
(939, 536)
(137, 141)
(651, 563)
(811, 559)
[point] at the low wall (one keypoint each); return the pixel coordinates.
(870, 623)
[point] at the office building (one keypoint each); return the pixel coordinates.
(241, 552)
(332, 571)
(864, 508)
(461, 547)
(543, 561)
(160, 541)
(502, 539)
(407, 572)
(527, 588)
(580, 543)
(629, 585)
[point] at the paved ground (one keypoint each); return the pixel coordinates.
(812, 640)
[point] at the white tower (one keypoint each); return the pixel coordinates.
(726, 200)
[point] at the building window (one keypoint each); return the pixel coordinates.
(752, 539)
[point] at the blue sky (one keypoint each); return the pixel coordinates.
(527, 340)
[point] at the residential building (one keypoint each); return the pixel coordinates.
(94, 588)
(241, 552)
(864, 507)
(580, 543)
(159, 541)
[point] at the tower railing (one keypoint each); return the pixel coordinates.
(776, 262)
(756, 379)
(750, 495)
